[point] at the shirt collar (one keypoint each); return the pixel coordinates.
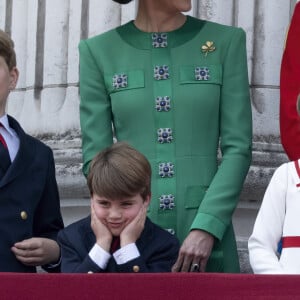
(5, 124)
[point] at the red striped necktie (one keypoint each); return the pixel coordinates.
(115, 244)
(4, 156)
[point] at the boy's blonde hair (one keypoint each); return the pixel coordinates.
(7, 50)
(118, 172)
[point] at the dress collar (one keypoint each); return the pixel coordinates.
(143, 40)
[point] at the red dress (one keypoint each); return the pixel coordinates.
(290, 89)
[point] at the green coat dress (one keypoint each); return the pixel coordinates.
(177, 97)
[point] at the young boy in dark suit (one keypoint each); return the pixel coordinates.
(29, 202)
(118, 237)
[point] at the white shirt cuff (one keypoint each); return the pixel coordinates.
(99, 256)
(126, 253)
(54, 265)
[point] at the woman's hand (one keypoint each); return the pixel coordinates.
(196, 249)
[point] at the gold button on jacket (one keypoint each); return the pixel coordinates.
(23, 215)
(136, 269)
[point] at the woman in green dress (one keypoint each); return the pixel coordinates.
(175, 88)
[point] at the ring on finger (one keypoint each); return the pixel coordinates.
(195, 267)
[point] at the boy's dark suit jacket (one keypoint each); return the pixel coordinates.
(29, 200)
(158, 249)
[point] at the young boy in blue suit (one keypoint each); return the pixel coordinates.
(30, 215)
(117, 236)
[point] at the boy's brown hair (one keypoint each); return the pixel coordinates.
(7, 50)
(118, 172)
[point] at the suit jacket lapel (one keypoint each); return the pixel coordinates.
(146, 236)
(24, 156)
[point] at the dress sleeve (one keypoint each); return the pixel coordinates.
(216, 209)
(95, 107)
(268, 226)
(290, 89)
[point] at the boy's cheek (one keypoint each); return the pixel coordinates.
(99, 213)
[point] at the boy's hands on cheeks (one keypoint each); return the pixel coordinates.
(102, 233)
(134, 229)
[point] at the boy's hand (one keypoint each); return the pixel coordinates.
(102, 233)
(134, 229)
(36, 251)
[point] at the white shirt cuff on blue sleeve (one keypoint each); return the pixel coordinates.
(126, 253)
(99, 256)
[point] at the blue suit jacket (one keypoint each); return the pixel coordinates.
(28, 188)
(158, 250)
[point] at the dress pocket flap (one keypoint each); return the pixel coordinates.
(124, 80)
(201, 74)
